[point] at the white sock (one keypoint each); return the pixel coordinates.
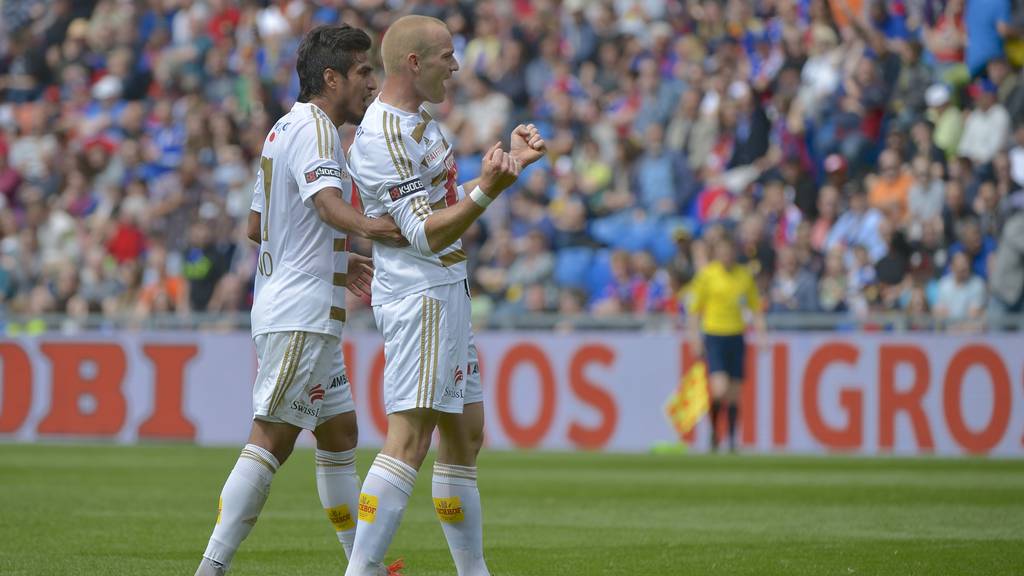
(457, 504)
(338, 485)
(382, 503)
(241, 500)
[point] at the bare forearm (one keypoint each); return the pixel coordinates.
(446, 226)
(340, 214)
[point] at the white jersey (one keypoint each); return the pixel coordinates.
(300, 280)
(402, 165)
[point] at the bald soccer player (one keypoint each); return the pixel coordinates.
(403, 166)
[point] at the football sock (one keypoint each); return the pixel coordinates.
(382, 503)
(734, 411)
(241, 500)
(338, 485)
(457, 504)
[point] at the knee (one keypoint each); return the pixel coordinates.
(339, 440)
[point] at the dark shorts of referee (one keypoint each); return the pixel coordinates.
(726, 354)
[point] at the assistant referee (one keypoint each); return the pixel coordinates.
(719, 295)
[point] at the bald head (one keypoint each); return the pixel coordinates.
(413, 34)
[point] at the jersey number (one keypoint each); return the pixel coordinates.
(266, 264)
(267, 166)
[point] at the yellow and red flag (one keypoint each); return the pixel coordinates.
(689, 402)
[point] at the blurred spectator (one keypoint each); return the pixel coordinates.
(1008, 264)
(961, 294)
(866, 141)
(987, 126)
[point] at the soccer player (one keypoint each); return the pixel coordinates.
(303, 195)
(404, 166)
(718, 296)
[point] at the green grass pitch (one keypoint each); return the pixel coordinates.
(110, 510)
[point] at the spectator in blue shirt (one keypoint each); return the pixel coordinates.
(982, 19)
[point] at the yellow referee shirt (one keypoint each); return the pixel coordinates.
(719, 296)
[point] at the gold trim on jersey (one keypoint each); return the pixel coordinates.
(339, 244)
(439, 204)
(340, 279)
(319, 135)
(331, 136)
(421, 208)
(396, 146)
(337, 313)
(439, 178)
(417, 132)
(452, 258)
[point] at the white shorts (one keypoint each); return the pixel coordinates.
(301, 379)
(474, 391)
(426, 349)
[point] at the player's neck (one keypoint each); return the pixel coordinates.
(322, 104)
(398, 94)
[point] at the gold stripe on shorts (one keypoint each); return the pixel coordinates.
(340, 279)
(437, 334)
(282, 370)
(293, 365)
(423, 345)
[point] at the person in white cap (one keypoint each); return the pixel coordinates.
(949, 123)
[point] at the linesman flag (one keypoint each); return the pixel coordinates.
(689, 402)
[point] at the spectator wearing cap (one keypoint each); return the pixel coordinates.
(987, 127)
(948, 120)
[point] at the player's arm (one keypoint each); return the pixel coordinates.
(252, 225)
(333, 210)
(430, 232)
(696, 308)
(318, 176)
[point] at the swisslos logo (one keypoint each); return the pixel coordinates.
(314, 175)
(458, 375)
(406, 188)
(316, 393)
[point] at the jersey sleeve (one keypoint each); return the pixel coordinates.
(257, 194)
(392, 175)
(312, 162)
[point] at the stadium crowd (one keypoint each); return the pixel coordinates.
(866, 156)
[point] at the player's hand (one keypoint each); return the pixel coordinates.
(385, 231)
(498, 171)
(526, 145)
(360, 274)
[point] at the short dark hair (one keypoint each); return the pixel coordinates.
(325, 47)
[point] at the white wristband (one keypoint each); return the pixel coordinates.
(482, 200)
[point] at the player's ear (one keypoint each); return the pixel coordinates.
(413, 60)
(331, 78)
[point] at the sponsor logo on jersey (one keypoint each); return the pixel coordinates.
(406, 188)
(314, 175)
(272, 135)
(341, 517)
(308, 411)
(338, 381)
(316, 393)
(367, 507)
(449, 510)
(435, 153)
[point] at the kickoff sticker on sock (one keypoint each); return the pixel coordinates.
(449, 510)
(341, 517)
(367, 507)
